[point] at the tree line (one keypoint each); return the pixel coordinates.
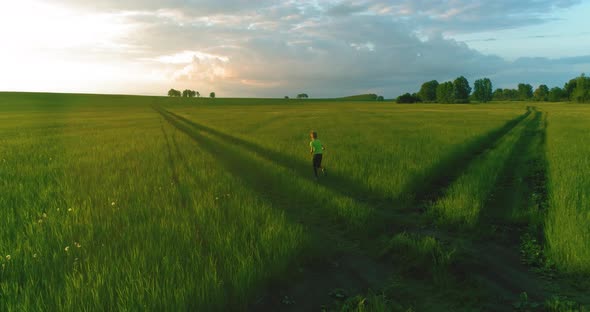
(459, 91)
(187, 93)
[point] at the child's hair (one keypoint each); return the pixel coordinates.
(313, 134)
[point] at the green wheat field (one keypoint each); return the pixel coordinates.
(129, 203)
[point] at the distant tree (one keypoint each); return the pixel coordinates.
(569, 88)
(174, 93)
(525, 91)
(427, 91)
(380, 98)
(482, 90)
(286, 97)
(556, 94)
(444, 93)
(511, 94)
(198, 94)
(212, 95)
(189, 93)
(461, 90)
(302, 96)
(498, 94)
(505, 95)
(407, 98)
(581, 93)
(541, 93)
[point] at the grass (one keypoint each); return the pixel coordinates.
(568, 233)
(152, 203)
(153, 228)
(360, 97)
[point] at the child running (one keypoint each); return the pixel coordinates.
(316, 149)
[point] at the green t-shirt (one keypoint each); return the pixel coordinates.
(316, 145)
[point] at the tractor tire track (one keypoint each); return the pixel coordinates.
(319, 277)
(522, 184)
(487, 263)
(522, 189)
(172, 164)
(451, 168)
(388, 210)
(330, 268)
(492, 258)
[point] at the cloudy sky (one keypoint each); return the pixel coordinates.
(272, 48)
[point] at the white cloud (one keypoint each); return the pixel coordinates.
(263, 48)
(186, 57)
(203, 70)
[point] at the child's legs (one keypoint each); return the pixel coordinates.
(317, 163)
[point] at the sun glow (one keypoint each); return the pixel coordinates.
(54, 48)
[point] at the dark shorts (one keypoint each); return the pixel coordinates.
(317, 160)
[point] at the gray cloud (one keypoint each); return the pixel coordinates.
(458, 16)
(331, 48)
(200, 7)
(442, 15)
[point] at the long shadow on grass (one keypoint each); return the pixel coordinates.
(423, 189)
(336, 182)
(328, 233)
(304, 206)
(428, 189)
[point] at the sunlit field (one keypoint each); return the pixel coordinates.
(154, 203)
(568, 220)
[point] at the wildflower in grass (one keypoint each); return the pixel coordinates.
(44, 215)
(35, 256)
(77, 245)
(40, 221)
(113, 203)
(67, 248)
(70, 209)
(8, 257)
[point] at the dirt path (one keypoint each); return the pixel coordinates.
(514, 213)
(513, 210)
(490, 262)
(339, 266)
